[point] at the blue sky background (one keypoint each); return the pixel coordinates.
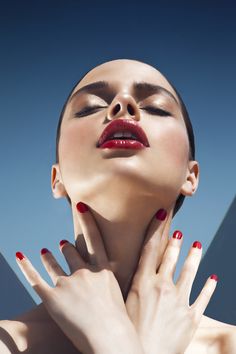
(47, 46)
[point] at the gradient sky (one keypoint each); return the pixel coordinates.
(47, 46)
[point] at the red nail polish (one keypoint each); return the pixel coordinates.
(20, 256)
(44, 250)
(197, 244)
(81, 207)
(161, 214)
(177, 234)
(62, 242)
(214, 276)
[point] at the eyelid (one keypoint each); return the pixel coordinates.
(89, 108)
(156, 110)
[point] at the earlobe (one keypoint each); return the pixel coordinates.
(192, 178)
(57, 186)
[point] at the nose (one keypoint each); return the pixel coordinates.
(123, 106)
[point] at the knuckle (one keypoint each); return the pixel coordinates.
(163, 286)
(105, 273)
(83, 272)
(62, 281)
(137, 282)
(141, 285)
(139, 291)
(135, 289)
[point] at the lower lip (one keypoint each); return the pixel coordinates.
(122, 144)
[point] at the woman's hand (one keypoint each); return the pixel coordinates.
(87, 305)
(157, 306)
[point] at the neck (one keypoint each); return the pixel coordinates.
(123, 223)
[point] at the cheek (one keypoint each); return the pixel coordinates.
(172, 148)
(75, 135)
(74, 141)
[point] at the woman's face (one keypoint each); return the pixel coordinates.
(158, 170)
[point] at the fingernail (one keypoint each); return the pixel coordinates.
(177, 234)
(214, 276)
(62, 242)
(44, 250)
(161, 214)
(197, 244)
(20, 256)
(81, 207)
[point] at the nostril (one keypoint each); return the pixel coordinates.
(116, 109)
(130, 110)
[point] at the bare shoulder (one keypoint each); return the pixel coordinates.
(229, 342)
(11, 337)
(214, 337)
(33, 332)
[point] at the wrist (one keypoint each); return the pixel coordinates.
(115, 338)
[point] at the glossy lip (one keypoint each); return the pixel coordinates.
(123, 125)
(122, 144)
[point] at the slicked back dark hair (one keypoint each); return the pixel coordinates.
(188, 124)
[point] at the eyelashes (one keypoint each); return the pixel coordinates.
(156, 111)
(88, 110)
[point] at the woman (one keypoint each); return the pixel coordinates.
(125, 162)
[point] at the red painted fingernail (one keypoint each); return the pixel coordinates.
(177, 234)
(197, 244)
(62, 242)
(20, 256)
(81, 207)
(44, 250)
(214, 276)
(161, 214)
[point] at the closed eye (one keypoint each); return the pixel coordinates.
(156, 111)
(88, 110)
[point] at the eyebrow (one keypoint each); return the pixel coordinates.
(140, 89)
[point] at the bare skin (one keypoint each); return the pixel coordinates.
(35, 332)
(152, 178)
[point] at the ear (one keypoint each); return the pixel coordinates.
(192, 178)
(58, 189)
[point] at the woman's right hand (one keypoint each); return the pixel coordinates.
(159, 308)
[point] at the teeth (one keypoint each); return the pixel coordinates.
(123, 135)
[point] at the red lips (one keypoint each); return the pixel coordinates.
(119, 125)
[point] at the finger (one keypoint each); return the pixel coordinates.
(171, 255)
(189, 270)
(72, 256)
(33, 277)
(80, 245)
(154, 245)
(205, 295)
(51, 265)
(95, 246)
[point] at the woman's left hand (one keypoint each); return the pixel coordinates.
(87, 304)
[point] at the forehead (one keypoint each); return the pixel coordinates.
(122, 73)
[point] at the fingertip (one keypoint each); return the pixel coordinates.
(161, 214)
(215, 277)
(20, 256)
(62, 243)
(197, 244)
(44, 250)
(177, 235)
(82, 207)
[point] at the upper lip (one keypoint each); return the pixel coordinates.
(123, 125)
